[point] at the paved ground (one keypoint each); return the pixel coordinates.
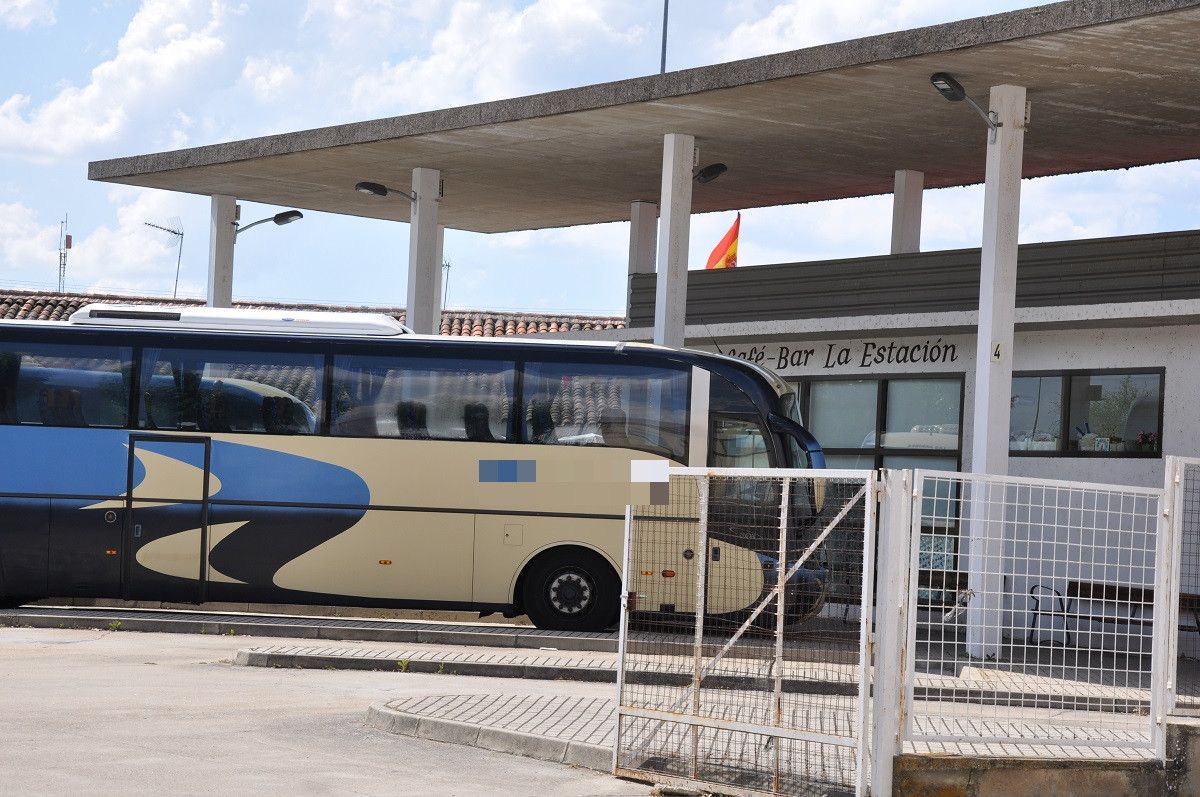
(100, 712)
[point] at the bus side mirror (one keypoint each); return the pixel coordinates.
(786, 426)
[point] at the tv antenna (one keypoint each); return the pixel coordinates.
(445, 282)
(64, 243)
(174, 228)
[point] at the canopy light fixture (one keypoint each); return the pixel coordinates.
(381, 190)
(953, 91)
(710, 172)
(282, 218)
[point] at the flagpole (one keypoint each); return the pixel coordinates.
(662, 67)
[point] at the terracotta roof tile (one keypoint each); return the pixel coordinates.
(29, 305)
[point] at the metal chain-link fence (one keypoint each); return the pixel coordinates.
(743, 639)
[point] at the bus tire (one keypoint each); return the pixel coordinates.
(571, 589)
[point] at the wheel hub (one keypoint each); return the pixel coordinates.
(570, 593)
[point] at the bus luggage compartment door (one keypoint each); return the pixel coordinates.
(166, 528)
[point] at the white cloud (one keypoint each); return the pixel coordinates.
(24, 14)
(486, 52)
(267, 77)
(165, 46)
(25, 244)
(804, 23)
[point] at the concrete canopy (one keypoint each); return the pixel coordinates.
(1113, 84)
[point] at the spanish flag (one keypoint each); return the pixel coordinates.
(725, 253)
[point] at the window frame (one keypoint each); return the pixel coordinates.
(319, 353)
(879, 451)
(952, 532)
(513, 427)
(517, 419)
(1065, 420)
(72, 348)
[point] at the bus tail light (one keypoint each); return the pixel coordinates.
(668, 574)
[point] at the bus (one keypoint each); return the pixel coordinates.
(199, 454)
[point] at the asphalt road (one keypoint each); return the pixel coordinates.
(103, 712)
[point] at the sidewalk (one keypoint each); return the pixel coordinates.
(578, 731)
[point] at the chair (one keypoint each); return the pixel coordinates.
(612, 429)
(60, 406)
(477, 424)
(214, 410)
(281, 415)
(410, 416)
(541, 424)
(8, 406)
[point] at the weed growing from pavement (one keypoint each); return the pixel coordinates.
(402, 664)
(441, 668)
(115, 625)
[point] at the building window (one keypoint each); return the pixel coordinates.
(887, 423)
(910, 422)
(1087, 413)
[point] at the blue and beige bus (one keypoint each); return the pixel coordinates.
(195, 454)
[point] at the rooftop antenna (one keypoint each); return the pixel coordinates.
(64, 243)
(445, 282)
(175, 228)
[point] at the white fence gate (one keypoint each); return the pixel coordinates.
(1011, 616)
(1038, 615)
(744, 640)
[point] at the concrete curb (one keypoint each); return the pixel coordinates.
(251, 657)
(544, 748)
(254, 658)
(526, 639)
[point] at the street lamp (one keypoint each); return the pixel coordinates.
(286, 217)
(953, 91)
(710, 172)
(381, 190)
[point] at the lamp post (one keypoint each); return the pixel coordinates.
(286, 217)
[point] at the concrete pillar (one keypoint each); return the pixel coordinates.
(674, 229)
(221, 231)
(906, 211)
(643, 241)
(993, 368)
(424, 253)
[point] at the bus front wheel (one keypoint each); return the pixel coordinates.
(571, 589)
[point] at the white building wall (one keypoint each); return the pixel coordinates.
(1174, 348)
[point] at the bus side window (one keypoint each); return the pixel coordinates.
(10, 366)
(423, 398)
(54, 384)
(231, 391)
(601, 404)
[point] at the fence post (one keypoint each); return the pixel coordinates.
(702, 554)
(1164, 651)
(623, 635)
(891, 625)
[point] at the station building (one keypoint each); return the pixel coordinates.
(1072, 360)
(1106, 353)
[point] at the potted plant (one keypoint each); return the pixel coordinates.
(1147, 441)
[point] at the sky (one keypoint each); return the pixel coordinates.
(84, 80)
